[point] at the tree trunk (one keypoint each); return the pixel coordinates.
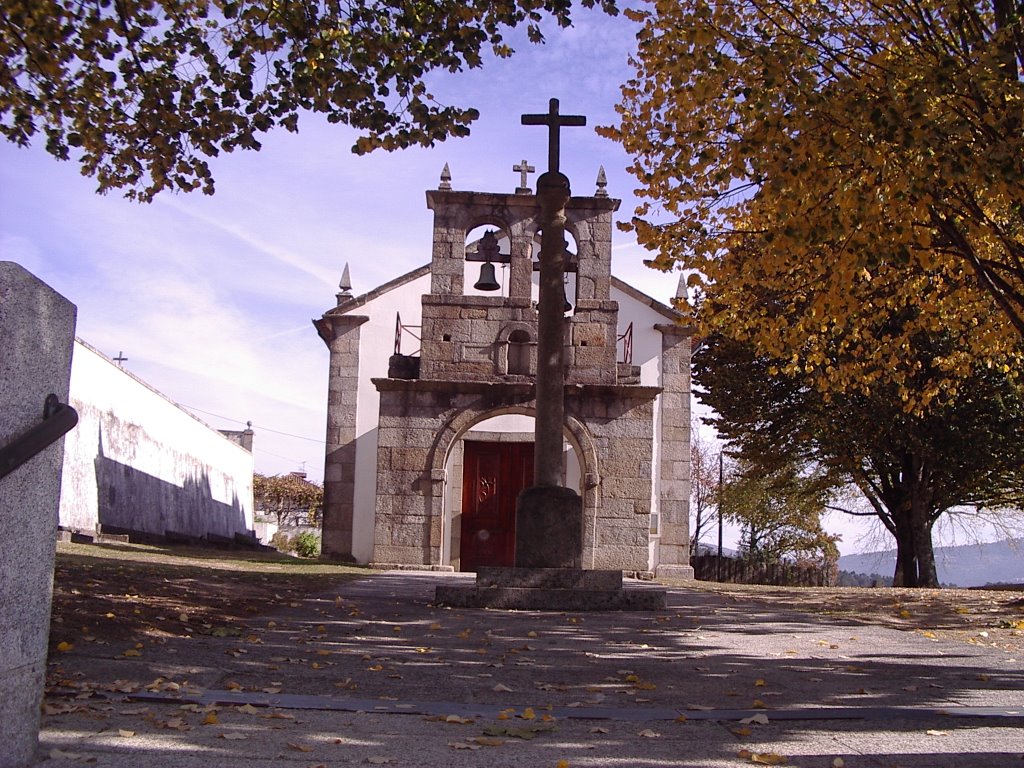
(906, 553)
(927, 575)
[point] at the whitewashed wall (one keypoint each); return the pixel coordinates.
(376, 345)
(138, 462)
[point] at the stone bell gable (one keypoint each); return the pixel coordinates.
(469, 337)
(626, 433)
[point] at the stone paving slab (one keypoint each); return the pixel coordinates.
(616, 689)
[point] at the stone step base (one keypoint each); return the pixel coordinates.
(548, 578)
(527, 599)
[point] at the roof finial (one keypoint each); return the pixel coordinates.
(345, 285)
(446, 178)
(602, 183)
(682, 291)
(523, 169)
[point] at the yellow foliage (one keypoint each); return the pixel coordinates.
(837, 176)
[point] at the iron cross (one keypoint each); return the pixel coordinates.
(553, 121)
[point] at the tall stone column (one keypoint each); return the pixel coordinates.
(674, 488)
(37, 332)
(549, 518)
(341, 333)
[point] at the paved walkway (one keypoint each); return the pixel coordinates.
(374, 675)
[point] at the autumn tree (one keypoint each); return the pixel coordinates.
(911, 467)
(291, 498)
(847, 144)
(142, 92)
(704, 458)
(780, 513)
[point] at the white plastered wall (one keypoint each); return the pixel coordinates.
(376, 345)
(138, 461)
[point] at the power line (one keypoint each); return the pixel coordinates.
(265, 429)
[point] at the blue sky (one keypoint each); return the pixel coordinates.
(211, 298)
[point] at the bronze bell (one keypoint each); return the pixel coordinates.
(487, 281)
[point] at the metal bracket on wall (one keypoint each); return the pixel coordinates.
(58, 419)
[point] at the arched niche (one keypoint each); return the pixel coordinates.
(571, 265)
(477, 241)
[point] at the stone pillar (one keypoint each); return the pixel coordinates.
(37, 331)
(674, 488)
(553, 193)
(341, 333)
(549, 518)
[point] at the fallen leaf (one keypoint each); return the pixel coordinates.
(759, 683)
(598, 729)
(742, 732)
(59, 754)
(64, 646)
(380, 760)
(762, 758)
(248, 709)
(462, 745)
(647, 733)
(300, 747)
(488, 741)
(937, 733)
(210, 719)
(839, 763)
(526, 732)
(233, 736)
(528, 714)
(499, 688)
(124, 734)
(758, 719)
(758, 704)
(459, 720)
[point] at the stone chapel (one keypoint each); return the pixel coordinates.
(431, 398)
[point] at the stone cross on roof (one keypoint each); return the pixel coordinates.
(523, 169)
(554, 122)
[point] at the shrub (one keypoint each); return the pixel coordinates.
(282, 542)
(307, 544)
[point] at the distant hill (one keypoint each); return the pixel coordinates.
(969, 565)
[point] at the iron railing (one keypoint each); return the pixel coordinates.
(400, 331)
(626, 340)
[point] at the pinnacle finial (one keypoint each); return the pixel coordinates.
(681, 288)
(446, 178)
(345, 285)
(602, 183)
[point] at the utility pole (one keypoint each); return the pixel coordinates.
(721, 473)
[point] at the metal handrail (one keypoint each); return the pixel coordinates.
(627, 345)
(58, 419)
(399, 330)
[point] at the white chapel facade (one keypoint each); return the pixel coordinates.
(431, 399)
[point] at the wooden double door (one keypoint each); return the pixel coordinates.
(493, 476)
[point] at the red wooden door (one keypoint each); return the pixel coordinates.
(493, 476)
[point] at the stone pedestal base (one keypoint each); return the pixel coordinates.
(680, 572)
(549, 528)
(551, 589)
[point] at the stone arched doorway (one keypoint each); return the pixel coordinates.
(487, 458)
